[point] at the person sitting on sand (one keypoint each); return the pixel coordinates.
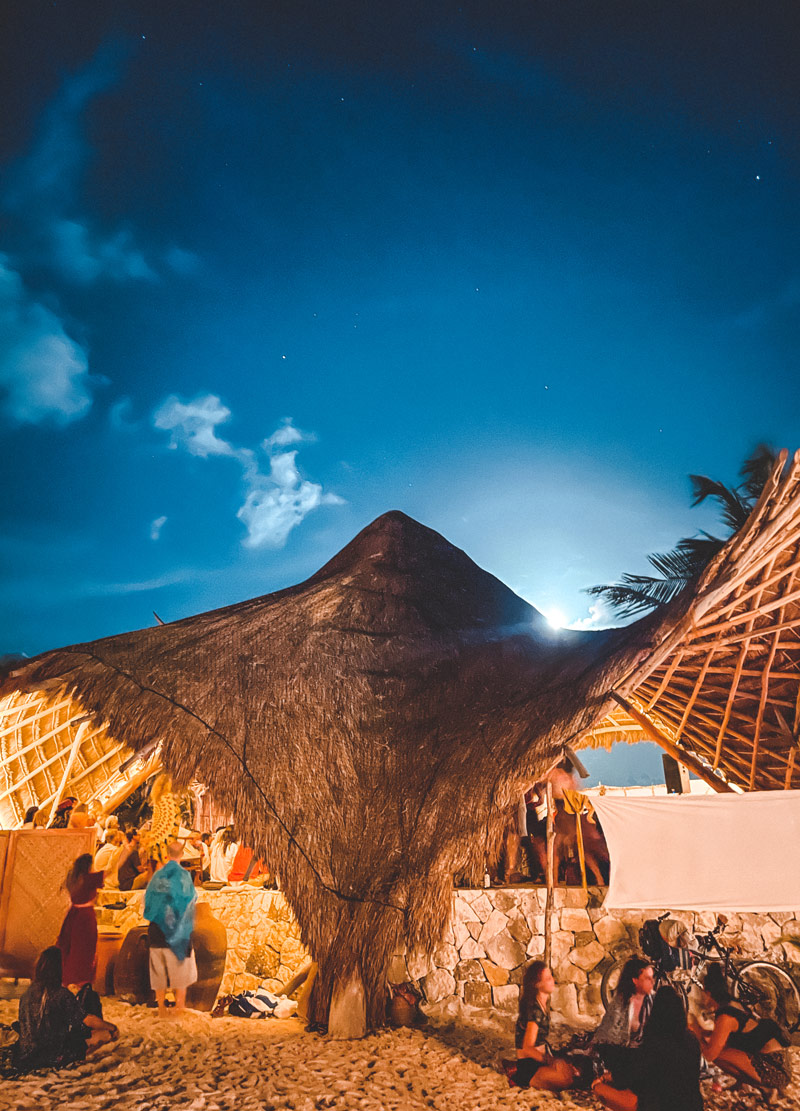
(664, 1073)
(169, 906)
(536, 1067)
(53, 1029)
(623, 1024)
(754, 1050)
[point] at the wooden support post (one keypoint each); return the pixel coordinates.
(680, 754)
(550, 878)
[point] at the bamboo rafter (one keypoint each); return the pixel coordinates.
(727, 670)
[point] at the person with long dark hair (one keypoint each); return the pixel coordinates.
(53, 1029)
(536, 1067)
(663, 1074)
(78, 937)
(625, 1020)
(752, 1049)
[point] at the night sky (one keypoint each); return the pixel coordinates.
(270, 269)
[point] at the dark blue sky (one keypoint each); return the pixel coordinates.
(270, 269)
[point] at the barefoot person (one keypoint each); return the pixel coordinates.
(536, 1067)
(169, 905)
(663, 1074)
(53, 1029)
(751, 1049)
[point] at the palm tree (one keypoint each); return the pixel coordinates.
(682, 566)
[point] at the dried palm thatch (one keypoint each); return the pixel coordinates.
(722, 690)
(368, 726)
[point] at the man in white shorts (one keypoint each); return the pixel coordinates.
(169, 907)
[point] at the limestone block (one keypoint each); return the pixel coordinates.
(438, 985)
(609, 931)
(535, 946)
(518, 927)
(462, 910)
(419, 965)
(474, 929)
(494, 974)
(560, 946)
(469, 970)
(471, 949)
(398, 972)
(505, 901)
(445, 957)
(782, 916)
(460, 932)
(589, 1001)
(494, 924)
(505, 951)
(575, 897)
(588, 956)
(506, 997)
(574, 919)
(477, 994)
(482, 907)
(583, 937)
(569, 973)
(530, 902)
(770, 931)
(470, 893)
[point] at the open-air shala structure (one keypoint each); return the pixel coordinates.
(367, 726)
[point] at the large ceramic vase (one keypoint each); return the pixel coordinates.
(210, 940)
(132, 968)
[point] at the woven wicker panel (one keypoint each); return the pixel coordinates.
(34, 900)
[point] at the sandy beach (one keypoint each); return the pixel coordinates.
(197, 1063)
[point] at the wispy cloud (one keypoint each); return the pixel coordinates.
(43, 193)
(599, 617)
(277, 498)
(44, 373)
(156, 527)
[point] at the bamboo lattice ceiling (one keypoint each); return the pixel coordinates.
(725, 687)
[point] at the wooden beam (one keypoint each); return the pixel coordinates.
(73, 752)
(8, 729)
(678, 753)
(11, 756)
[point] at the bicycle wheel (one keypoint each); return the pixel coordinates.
(608, 985)
(770, 992)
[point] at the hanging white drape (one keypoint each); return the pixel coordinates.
(709, 852)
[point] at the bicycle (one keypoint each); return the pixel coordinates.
(762, 986)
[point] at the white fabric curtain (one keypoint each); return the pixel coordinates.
(710, 852)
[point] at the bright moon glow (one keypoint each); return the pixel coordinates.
(555, 617)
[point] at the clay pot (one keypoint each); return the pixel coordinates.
(210, 941)
(132, 968)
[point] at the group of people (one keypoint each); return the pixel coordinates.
(60, 1015)
(648, 1052)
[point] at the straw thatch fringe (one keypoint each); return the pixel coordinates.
(369, 726)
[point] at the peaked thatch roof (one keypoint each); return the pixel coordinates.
(367, 726)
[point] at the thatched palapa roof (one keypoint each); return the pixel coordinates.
(367, 726)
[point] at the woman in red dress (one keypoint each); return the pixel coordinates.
(78, 937)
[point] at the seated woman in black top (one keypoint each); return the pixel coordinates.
(536, 1066)
(53, 1028)
(751, 1049)
(664, 1073)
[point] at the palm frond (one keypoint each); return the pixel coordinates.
(734, 509)
(756, 469)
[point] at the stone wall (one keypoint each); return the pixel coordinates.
(494, 933)
(263, 937)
